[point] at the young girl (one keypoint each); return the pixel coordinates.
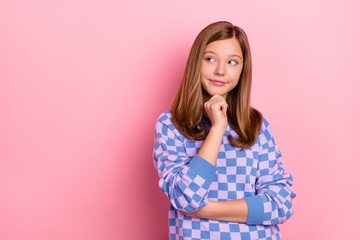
(215, 154)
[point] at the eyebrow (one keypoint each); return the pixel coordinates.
(233, 55)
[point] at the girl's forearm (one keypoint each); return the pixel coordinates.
(211, 146)
(230, 210)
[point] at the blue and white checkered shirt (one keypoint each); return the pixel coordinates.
(189, 181)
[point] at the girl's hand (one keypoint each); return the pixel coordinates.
(193, 214)
(202, 212)
(216, 108)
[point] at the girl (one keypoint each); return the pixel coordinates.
(215, 154)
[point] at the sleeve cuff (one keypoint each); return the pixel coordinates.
(255, 209)
(205, 169)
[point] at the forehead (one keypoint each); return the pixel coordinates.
(224, 47)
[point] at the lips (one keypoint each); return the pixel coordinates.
(217, 82)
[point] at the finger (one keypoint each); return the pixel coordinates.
(216, 96)
(224, 109)
(217, 100)
(216, 106)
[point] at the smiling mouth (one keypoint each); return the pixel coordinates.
(217, 82)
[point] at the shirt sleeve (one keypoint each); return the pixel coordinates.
(272, 203)
(185, 180)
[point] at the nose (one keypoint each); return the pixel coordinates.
(220, 69)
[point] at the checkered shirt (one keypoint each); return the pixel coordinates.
(189, 181)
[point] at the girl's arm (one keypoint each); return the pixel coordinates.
(211, 145)
(186, 180)
(215, 108)
(231, 211)
(272, 203)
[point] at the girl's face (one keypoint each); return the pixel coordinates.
(221, 66)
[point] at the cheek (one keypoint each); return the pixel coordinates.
(202, 75)
(204, 70)
(202, 78)
(236, 73)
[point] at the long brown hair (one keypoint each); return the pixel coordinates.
(188, 106)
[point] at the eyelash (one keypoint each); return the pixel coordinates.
(234, 61)
(208, 60)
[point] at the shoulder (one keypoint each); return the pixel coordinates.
(266, 135)
(165, 126)
(258, 118)
(164, 121)
(266, 130)
(165, 118)
(265, 126)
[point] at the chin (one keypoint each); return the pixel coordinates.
(217, 92)
(212, 92)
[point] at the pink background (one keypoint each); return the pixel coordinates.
(82, 83)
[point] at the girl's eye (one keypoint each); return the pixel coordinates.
(232, 62)
(209, 59)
